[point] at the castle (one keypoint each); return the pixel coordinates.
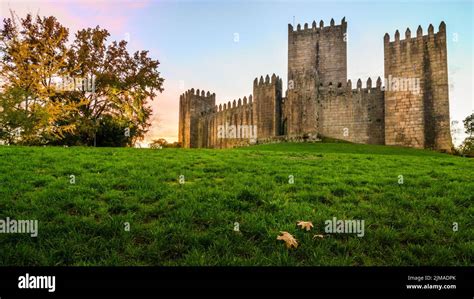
(412, 109)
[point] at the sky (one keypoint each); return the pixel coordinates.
(222, 46)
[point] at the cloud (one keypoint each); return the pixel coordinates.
(115, 16)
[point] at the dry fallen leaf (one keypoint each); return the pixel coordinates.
(308, 225)
(318, 236)
(289, 239)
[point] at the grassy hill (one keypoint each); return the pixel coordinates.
(193, 223)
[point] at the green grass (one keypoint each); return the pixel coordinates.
(192, 223)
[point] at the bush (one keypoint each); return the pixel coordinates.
(467, 147)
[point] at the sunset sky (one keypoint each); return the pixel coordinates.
(221, 46)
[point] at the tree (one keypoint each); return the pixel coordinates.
(467, 147)
(124, 83)
(13, 119)
(158, 143)
(112, 132)
(469, 125)
(34, 55)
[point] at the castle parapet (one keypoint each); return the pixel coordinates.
(234, 105)
(314, 28)
(346, 88)
(268, 81)
(431, 37)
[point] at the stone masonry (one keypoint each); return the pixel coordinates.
(410, 107)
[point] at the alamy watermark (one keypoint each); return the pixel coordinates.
(28, 281)
(13, 226)
(86, 84)
(402, 84)
(339, 226)
(239, 131)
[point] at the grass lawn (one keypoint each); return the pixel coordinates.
(193, 223)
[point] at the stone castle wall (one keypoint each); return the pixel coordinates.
(321, 102)
(355, 115)
(215, 125)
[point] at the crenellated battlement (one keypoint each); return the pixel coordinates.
(347, 87)
(419, 38)
(191, 93)
(235, 104)
(230, 106)
(315, 28)
(268, 81)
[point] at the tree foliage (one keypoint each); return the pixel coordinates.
(158, 143)
(467, 147)
(35, 56)
(469, 124)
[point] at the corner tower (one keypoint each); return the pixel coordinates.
(416, 90)
(191, 105)
(267, 106)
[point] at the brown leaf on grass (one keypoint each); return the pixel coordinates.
(289, 239)
(308, 225)
(318, 236)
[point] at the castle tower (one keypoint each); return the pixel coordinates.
(316, 56)
(267, 96)
(320, 49)
(191, 106)
(416, 90)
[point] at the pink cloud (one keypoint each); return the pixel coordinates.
(112, 15)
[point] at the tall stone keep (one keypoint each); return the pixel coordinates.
(192, 105)
(319, 49)
(416, 91)
(316, 56)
